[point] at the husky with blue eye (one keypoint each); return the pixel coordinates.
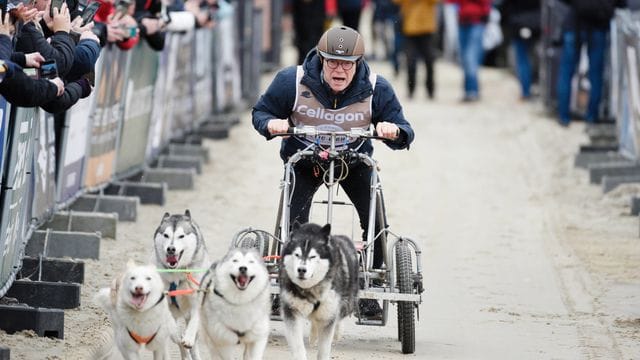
(236, 306)
(319, 282)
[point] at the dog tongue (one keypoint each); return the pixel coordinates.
(243, 280)
(138, 300)
(172, 259)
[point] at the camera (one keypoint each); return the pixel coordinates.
(48, 70)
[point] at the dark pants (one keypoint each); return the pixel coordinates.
(308, 25)
(351, 17)
(419, 46)
(356, 185)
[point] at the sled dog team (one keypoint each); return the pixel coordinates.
(228, 306)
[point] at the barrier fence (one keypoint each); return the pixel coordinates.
(625, 82)
(142, 100)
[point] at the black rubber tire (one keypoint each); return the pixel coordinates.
(406, 318)
(381, 223)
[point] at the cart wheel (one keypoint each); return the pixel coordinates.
(381, 223)
(406, 319)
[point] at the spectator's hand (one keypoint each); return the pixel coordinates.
(277, 126)
(33, 60)
(23, 13)
(114, 33)
(5, 25)
(77, 27)
(387, 130)
(152, 25)
(58, 82)
(89, 35)
(128, 21)
(61, 19)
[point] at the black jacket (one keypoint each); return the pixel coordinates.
(61, 49)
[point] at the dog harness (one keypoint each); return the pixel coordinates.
(141, 340)
(173, 286)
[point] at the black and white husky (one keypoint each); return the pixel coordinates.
(179, 245)
(234, 316)
(319, 282)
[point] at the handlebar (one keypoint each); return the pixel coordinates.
(314, 132)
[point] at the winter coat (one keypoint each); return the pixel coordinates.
(61, 48)
(18, 88)
(85, 56)
(472, 11)
(277, 102)
(419, 17)
(519, 14)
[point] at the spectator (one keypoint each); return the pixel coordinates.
(15, 86)
(419, 23)
(349, 12)
(151, 25)
(586, 23)
(116, 23)
(386, 15)
(308, 24)
(472, 18)
(523, 21)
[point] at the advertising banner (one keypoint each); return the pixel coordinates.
(44, 168)
(5, 110)
(107, 117)
(227, 68)
(134, 131)
(202, 74)
(13, 202)
(160, 108)
(181, 87)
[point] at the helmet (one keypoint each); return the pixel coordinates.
(341, 43)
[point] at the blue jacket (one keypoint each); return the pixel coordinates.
(277, 102)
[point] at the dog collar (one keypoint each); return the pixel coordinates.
(141, 340)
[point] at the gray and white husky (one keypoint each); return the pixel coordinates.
(178, 244)
(319, 282)
(235, 311)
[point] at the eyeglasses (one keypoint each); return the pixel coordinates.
(333, 64)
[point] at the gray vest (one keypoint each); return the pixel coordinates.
(307, 110)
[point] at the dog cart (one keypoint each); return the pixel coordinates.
(400, 282)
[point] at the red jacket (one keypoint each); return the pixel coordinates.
(472, 11)
(102, 15)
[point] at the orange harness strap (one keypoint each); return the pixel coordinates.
(141, 340)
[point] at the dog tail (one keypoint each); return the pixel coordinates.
(103, 349)
(103, 298)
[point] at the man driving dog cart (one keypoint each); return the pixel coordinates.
(334, 89)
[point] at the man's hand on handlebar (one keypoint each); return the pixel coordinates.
(387, 130)
(278, 126)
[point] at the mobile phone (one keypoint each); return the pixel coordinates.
(55, 4)
(89, 12)
(49, 69)
(3, 7)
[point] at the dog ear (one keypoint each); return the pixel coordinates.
(166, 216)
(131, 263)
(187, 213)
(326, 230)
(296, 225)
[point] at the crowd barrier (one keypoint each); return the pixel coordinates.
(625, 82)
(142, 100)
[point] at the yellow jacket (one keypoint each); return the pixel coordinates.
(418, 16)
